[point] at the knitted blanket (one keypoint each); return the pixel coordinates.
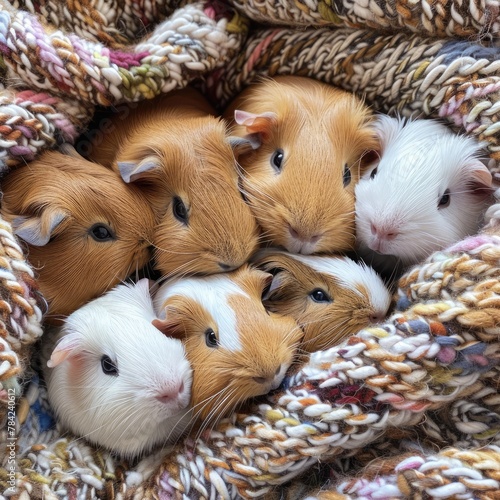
(407, 409)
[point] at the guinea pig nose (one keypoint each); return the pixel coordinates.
(384, 233)
(315, 238)
(297, 235)
(168, 395)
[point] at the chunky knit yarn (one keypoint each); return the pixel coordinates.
(403, 410)
(20, 316)
(68, 73)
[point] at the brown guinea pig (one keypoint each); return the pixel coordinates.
(311, 143)
(86, 229)
(182, 158)
(237, 349)
(329, 297)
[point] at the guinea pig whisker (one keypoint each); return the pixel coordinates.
(129, 421)
(216, 415)
(204, 402)
(182, 270)
(269, 203)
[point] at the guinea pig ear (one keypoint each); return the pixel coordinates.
(170, 328)
(134, 171)
(242, 145)
(480, 180)
(256, 124)
(275, 283)
(37, 230)
(68, 346)
(254, 281)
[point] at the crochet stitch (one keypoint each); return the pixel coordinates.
(419, 392)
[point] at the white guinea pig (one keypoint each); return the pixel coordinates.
(427, 190)
(114, 378)
(330, 297)
(236, 348)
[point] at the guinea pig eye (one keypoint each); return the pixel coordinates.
(347, 175)
(318, 295)
(180, 210)
(445, 199)
(102, 232)
(108, 367)
(374, 173)
(277, 160)
(211, 338)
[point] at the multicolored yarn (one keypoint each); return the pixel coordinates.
(113, 23)
(30, 120)
(418, 393)
(197, 38)
(449, 18)
(20, 315)
(451, 473)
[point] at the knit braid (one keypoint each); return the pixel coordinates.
(478, 19)
(31, 120)
(112, 23)
(82, 72)
(452, 473)
(20, 315)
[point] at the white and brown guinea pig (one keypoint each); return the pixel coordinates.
(182, 158)
(86, 229)
(330, 297)
(427, 190)
(236, 348)
(115, 379)
(311, 142)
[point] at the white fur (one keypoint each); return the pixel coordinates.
(419, 161)
(119, 412)
(212, 293)
(350, 274)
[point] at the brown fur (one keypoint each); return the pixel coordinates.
(197, 165)
(324, 324)
(320, 129)
(222, 379)
(73, 268)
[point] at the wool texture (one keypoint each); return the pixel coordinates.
(406, 409)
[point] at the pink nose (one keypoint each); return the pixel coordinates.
(171, 394)
(387, 234)
(301, 237)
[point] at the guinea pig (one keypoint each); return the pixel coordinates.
(330, 297)
(427, 190)
(236, 348)
(310, 144)
(85, 228)
(182, 158)
(115, 379)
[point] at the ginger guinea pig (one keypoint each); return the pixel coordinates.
(330, 297)
(115, 379)
(311, 143)
(427, 190)
(85, 228)
(182, 158)
(236, 348)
